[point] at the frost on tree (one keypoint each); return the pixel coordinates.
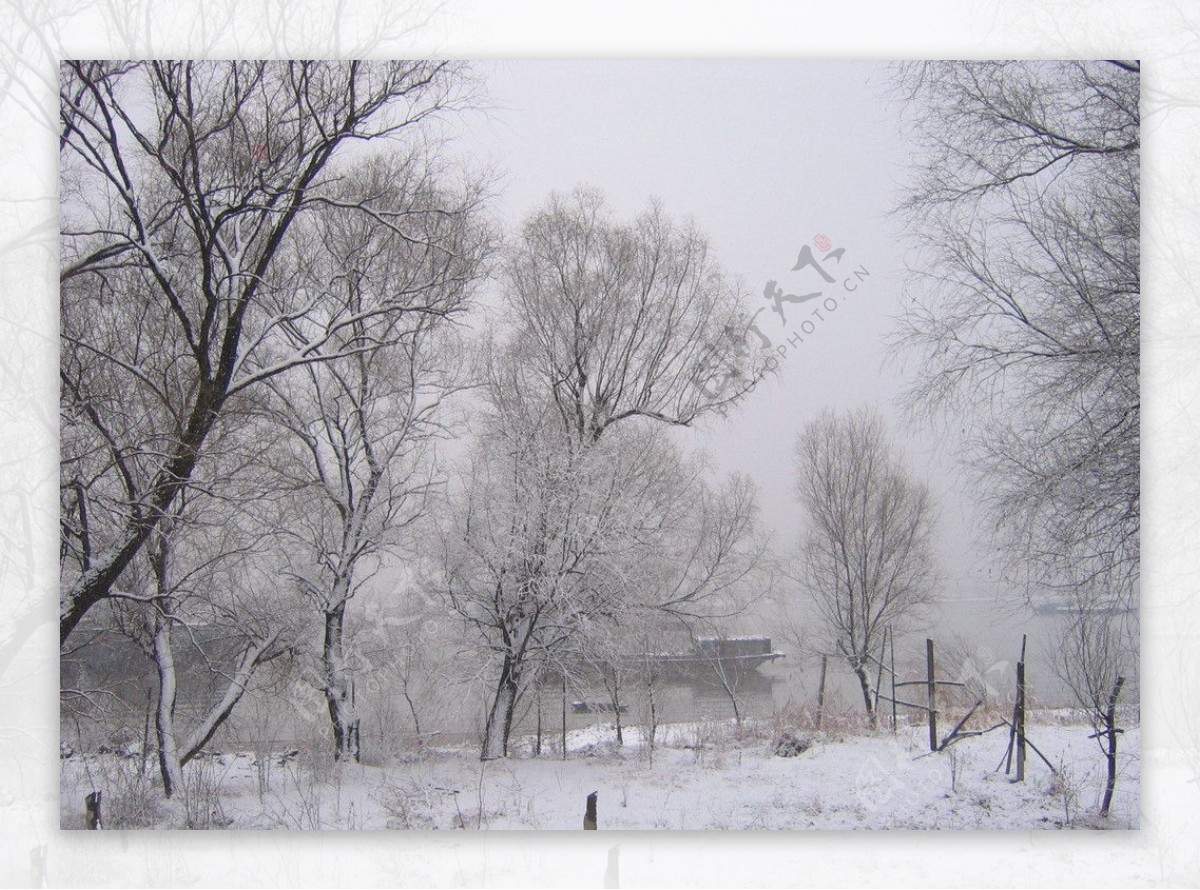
(182, 184)
(1026, 304)
(551, 544)
(572, 492)
(866, 559)
(356, 458)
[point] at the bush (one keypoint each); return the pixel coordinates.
(789, 745)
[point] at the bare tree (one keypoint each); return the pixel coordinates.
(408, 653)
(867, 556)
(1096, 657)
(201, 606)
(620, 320)
(181, 185)
(219, 629)
(610, 322)
(537, 544)
(643, 646)
(361, 428)
(568, 499)
(1024, 314)
(708, 563)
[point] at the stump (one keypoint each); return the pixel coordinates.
(91, 805)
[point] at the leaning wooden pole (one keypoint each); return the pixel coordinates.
(932, 689)
(1012, 740)
(1012, 726)
(953, 734)
(879, 677)
(1034, 748)
(1020, 726)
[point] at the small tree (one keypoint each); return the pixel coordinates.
(1096, 657)
(538, 543)
(358, 459)
(201, 606)
(867, 556)
(611, 331)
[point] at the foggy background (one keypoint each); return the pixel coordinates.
(1164, 34)
(763, 156)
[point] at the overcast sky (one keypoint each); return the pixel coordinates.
(764, 156)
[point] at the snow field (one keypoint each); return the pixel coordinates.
(709, 775)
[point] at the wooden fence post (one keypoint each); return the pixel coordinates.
(564, 716)
(1020, 721)
(1012, 726)
(892, 638)
(932, 688)
(537, 751)
(821, 692)
(589, 816)
(879, 681)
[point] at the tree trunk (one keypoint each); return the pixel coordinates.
(169, 763)
(338, 696)
(499, 723)
(729, 684)
(864, 681)
(614, 698)
(254, 655)
(537, 750)
(1110, 728)
(412, 709)
(653, 714)
(172, 756)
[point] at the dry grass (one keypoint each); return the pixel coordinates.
(838, 722)
(132, 797)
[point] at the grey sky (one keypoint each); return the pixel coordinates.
(764, 156)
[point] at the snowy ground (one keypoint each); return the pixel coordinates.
(703, 776)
